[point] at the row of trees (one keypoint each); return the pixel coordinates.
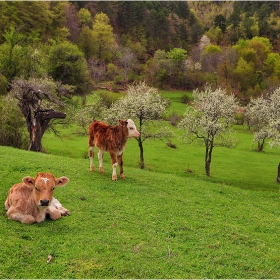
(209, 119)
(249, 68)
(88, 43)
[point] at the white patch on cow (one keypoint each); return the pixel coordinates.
(100, 157)
(114, 169)
(56, 203)
(45, 180)
(132, 131)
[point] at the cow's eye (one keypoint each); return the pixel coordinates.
(53, 188)
(131, 128)
(37, 189)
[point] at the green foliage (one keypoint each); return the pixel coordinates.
(67, 64)
(86, 42)
(244, 72)
(84, 115)
(220, 21)
(108, 98)
(139, 228)
(12, 124)
(140, 30)
(112, 71)
(84, 16)
(185, 98)
(103, 36)
(177, 55)
(272, 64)
(3, 85)
(34, 19)
(211, 49)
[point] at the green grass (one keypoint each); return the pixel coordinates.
(175, 98)
(149, 225)
(161, 222)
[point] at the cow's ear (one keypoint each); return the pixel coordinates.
(123, 122)
(62, 181)
(28, 181)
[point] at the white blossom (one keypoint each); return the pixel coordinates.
(209, 120)
(145, 106)
(263, 116)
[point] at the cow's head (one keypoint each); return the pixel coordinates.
(43, 187)
(132, 131)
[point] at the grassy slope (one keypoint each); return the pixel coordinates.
(157, 223)
(149, 225)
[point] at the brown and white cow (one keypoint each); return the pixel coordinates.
(32, 199)
(110, 139)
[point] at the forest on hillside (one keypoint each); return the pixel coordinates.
(169, 44)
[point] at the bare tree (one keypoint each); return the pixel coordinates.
(38, 101)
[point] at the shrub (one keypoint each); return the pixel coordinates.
(3, 85)
(174, 119)
(108, 98)
(12, 124)
(185, 98)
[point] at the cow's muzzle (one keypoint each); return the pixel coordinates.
(44, 202)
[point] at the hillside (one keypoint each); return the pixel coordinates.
(149, 225)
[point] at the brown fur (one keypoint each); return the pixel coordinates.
(111, 139)
(31, 200)
(108, 138)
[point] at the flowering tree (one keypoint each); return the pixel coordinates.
(263, 115)
(142, 103)
(209, 120)
(84, 115)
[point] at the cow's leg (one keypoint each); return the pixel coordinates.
(53, 212)
(20, 217)
(63, 211)
(91, 155)
(7, 206)
(114, 165)
(100, 158)
(120, 163)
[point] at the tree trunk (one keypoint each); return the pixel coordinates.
(35, 139)
(208, 155)
(38, 126)
(278, 176)
(141, 162)
(261, 145)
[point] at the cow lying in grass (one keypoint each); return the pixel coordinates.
(32, 199)
(110, 139)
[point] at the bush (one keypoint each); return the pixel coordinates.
(13, 130)
(174, 119)
(108, 98)
(3, 85)
(185, 98)
(67, 64)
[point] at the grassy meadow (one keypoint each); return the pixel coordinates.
(161, 222)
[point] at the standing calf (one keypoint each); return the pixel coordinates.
(110, 139)
(30, 201)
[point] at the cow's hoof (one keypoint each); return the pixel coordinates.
(66, 213)
(114, 178)
(91, 169)
(122, 176)
(101, 170)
